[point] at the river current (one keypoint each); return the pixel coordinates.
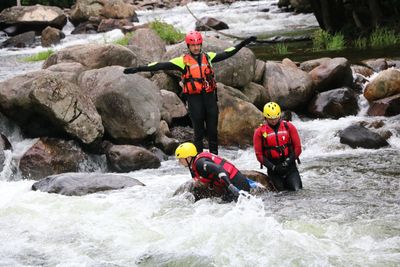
(347, 214)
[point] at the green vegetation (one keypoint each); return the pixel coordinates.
(281, 49)
(167, 32)
(39, 56)
(124, 40)
(361, 43)
(383, 37)
(323, 40)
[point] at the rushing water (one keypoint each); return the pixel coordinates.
(347, 214)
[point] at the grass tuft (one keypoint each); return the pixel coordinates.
(39, 56)
(167, 32)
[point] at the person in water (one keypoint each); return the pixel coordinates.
(199, 85)
(214, 171)
(277, 146)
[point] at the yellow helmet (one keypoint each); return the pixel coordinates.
(185, 150)
(272, 110)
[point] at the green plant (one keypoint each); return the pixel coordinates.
(281, 49)
(361, 42)
(167, 32)
(336, 42)
(383, 37)
(39, 56)
(124, 40)
(323, 40)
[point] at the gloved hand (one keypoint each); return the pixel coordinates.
(130, 70)
(234, 190)
(281, 169)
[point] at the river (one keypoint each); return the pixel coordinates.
(347, 214)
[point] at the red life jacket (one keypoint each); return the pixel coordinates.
(198, 78)
(230, 169)
(276, 145)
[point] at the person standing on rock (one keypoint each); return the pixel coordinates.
(199, 85)
(214, 171)
(277, 146)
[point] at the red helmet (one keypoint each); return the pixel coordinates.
(193, 37)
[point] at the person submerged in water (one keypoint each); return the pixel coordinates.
(199, 85)
(214, 171)
(277, 146)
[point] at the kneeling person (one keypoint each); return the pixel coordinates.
(214, 171)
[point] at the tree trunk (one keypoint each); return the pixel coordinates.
(376, 14)
(18, 2)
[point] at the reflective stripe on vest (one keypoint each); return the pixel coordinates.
(230, 169)
(276, 145)
(198, 78)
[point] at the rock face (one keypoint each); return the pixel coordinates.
(79, 184)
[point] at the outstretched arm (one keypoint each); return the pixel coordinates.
(231, 50)
(173, 64)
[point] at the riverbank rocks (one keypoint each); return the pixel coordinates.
(50, 156)
(79, 184)
(359, 136)
(116, 9)
(386, 84)
(211, 22)
(31, 18)
(26, 39)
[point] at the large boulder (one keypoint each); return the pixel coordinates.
(94, 56)
(51, 36)
(129, 105)
(334, 104)
(331, 74)
(287, 85)
(32, 18)
(236, 71)
(237, 118)
(79, 184)
(142, 38)
(386, 84)
(63, 103)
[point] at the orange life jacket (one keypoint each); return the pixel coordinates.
(198, 78)
(276, 145)
(213, 178)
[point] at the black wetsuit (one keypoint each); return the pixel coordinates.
(203, 108)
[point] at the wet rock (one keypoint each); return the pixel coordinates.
(386, 84)
(331, 74)
(51, 36)
(389, 106)
(256, 94)
(79, 184)
(50, 156)
(172, 106)
(142, 38)
(112, 24)
(259, 71)
(334, 104)
(214, 23)
(127, 158)
(359, 136)
(26, 39)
